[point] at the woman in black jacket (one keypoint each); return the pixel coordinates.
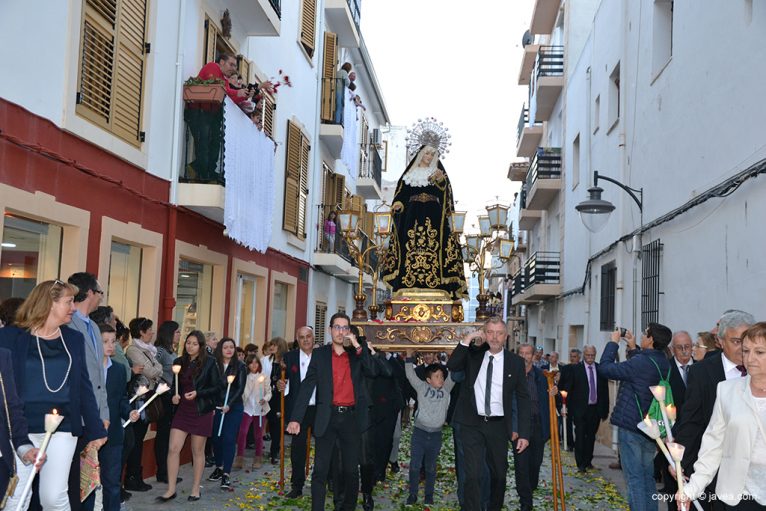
(198, 392)
(225, 443)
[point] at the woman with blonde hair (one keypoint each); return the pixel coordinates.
(51, 373)
(706, 346)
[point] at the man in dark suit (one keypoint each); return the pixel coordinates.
(587, 404)
(297, 363)
(335, 372)
(493, 376)
(575, 357)
(14, 437)
(701, 390)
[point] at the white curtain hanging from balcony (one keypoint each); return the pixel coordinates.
(249, 172)
(349, 152)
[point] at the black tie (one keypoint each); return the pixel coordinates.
(488, 388)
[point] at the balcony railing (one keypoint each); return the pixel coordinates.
(203, 162)
(524, 122)
(373, 169)
(355, 8)
(540, 268)
(276, 4)
(549, 62)
(523, 197)
(546, 164)
(325, 242)
(332, 101)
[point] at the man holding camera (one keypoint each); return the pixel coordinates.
(644, 367)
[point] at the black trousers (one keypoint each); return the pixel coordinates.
(162, 439)
(134, 468)
(298, 451)
(570, 432)
(745, 505)
(383, 431)
(487, 441)
(344, 428)
(586, 427)
(274, 427)
(367, 461)
(526, 465)
(206, 128)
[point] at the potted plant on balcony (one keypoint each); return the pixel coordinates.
(197, 90)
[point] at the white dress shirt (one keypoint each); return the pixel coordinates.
(730, 368)
(496, 395)
(304, 361)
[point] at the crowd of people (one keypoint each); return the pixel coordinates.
(61, 349)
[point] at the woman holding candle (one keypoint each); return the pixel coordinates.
(200, 390)
(225, 437)
(50, 372)
(168, 338)
(142, 353)
(734, 444)
(256, 403)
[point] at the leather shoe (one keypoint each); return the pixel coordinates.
(367, 503)
(395, 467)
(193, 498)
(294, 493)
(134, 484)
(162, 498)
(615, 465)
(125, 495)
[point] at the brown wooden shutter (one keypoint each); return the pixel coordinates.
(320, 321)
(211, 34)
(340, 190)
(267, 119)
(97, 61)
(243, 67)
(328, 188)
(129, 73)
(308, 25)
(329, 67)
(304, 187)
(292, 179)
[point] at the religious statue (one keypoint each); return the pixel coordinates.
(423, 253)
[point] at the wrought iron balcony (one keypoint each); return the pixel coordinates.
(546, 164)
(538, 280)
(547, 81)
(528, 135)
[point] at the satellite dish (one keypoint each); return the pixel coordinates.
(528, 38)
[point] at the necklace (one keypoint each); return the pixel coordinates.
(42, 363)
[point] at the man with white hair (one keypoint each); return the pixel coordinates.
(701, 388)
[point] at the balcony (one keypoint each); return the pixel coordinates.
(370, 171)
(528, 135)
(259, 17)
(343, 18)
(331, 253)
(547, 81)
(518, 171)
(528, 218)
(544, 16)
(543, 177)
(528, 63)
(332, 113)
(539, 280)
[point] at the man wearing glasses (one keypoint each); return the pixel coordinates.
(336, 373)
(701, 389)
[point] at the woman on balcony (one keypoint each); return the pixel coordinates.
(423, 254)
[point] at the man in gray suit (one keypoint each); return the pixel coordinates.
(87, 300)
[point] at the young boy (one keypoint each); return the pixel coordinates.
(433, 397)
(110, 455)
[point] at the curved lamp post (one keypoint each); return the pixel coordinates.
(595, 211)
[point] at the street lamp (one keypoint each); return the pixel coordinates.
(595, 211)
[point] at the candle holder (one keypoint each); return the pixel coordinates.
(161, 389)
(52, 422)
(677, 452)
(564, 395)
(176, 370)
(229, 380)
(140, 391)
(261, 379)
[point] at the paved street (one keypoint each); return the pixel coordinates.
(601, 489)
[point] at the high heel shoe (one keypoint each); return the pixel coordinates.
(193, 498)
(161, 499)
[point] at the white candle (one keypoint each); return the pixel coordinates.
(142, 389)
(161, 389)
(261, 379)
(52, 422)
(564, 394)
(176, 370)
(671, 410)
(652, 430)
(229, 379)
(677, 452)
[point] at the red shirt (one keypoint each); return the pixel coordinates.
(211, 71)
(342, 386)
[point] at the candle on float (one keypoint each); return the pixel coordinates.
(564, 395)
(229, 380)
(140, 391)
(52, 422)
(161, 389)
(176, 370)
(677, 452)
(261, 379)
(658, 391)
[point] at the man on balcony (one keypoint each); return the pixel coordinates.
(205, 120)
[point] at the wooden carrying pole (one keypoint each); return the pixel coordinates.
(556, 468)
(308, 450)
(282, 435)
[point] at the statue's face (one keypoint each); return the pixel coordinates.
(428, 157)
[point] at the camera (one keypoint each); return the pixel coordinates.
(622, 330)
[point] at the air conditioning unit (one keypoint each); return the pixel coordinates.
(377, 138)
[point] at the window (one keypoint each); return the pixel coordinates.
(576, 162)
(364, 147)
(614, 97)
(333, 188)
(124, 285)
(216, 44)
(194, 296)
(246, 310)
(320, 322)
(650, 283)
(341, 309)
(279, 311)
(608, 288)
(112, 65)
(596, 114)
(296, 181)
(30, 253)
(662, 35)
(308, 26)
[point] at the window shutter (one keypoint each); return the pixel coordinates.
(308, 25)
(320, 321)
(129, 75)
(304, 187)
(292, 179)
(329, 67)
(267, 119)
(243, 67)
(211, 34)
(328, 189)
(364, 156)
(97, 61)
(340, 190)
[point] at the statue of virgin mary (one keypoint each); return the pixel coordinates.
(423, 253)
